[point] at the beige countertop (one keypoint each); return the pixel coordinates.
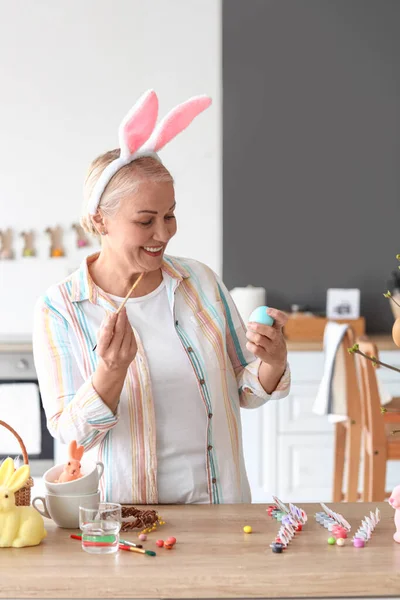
(384, 342)
(213, 558)
(15, 343)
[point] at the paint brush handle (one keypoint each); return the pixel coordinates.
(138, 280)
(140, 551)
(125, 300)
(120, 547)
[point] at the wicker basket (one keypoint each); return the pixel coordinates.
(22, 496)
(134, 518)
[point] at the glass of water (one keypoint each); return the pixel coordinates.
(100, 528)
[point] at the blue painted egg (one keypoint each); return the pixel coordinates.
(260, 315)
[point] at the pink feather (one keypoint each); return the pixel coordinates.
(138, 124)
(176, 121)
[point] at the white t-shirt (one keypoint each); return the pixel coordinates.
(181, 418)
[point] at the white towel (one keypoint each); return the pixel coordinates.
(20, 408)
(331, 398)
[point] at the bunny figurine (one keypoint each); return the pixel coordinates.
(28, 238)
(72, 469)
(394, 501)
(56, 248)
(19, 525)
(81, 239)
(6, 240)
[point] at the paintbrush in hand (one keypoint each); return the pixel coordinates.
(125, 300)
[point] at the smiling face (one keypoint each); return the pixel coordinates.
(142, 226)
(136, 212)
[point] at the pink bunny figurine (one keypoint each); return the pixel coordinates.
(394, 501)
(72, 469)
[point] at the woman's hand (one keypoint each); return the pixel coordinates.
(116, 347)
(267, 343)
(116, 343)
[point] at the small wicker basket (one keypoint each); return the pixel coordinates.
(22, 496)
(134, 518)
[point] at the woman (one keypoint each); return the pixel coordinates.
(158, 401)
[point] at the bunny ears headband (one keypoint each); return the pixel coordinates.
(139, 136)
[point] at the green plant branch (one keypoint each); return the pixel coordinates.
(389, 295)
(356, 350)
(388, 410)
(384, 410)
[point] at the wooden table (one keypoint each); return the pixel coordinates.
(213, 558)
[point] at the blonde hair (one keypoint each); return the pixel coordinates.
(125, 182)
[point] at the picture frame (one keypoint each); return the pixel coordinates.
(343, 303)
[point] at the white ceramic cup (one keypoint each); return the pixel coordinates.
(88, 484)
(64, 510)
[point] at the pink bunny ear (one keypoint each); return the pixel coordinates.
(137, 126)
(176, 121)
(75, 452)
(79, 452)
(72, 449)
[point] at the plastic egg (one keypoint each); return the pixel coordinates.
(396, 332)
(358, 543)
(171, 541)
(339, 532)
(340, 542)
(331, 541)
(260, 315)
(247, 529)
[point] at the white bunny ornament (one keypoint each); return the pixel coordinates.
(19, 525)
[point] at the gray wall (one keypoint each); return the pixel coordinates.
(312, 149)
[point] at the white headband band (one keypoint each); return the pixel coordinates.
(139, 136)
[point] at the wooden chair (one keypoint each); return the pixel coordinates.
(379, 444)
(348, 432)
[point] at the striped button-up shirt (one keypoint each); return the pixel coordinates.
(213, 335)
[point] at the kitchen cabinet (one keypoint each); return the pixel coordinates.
(289, 451)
